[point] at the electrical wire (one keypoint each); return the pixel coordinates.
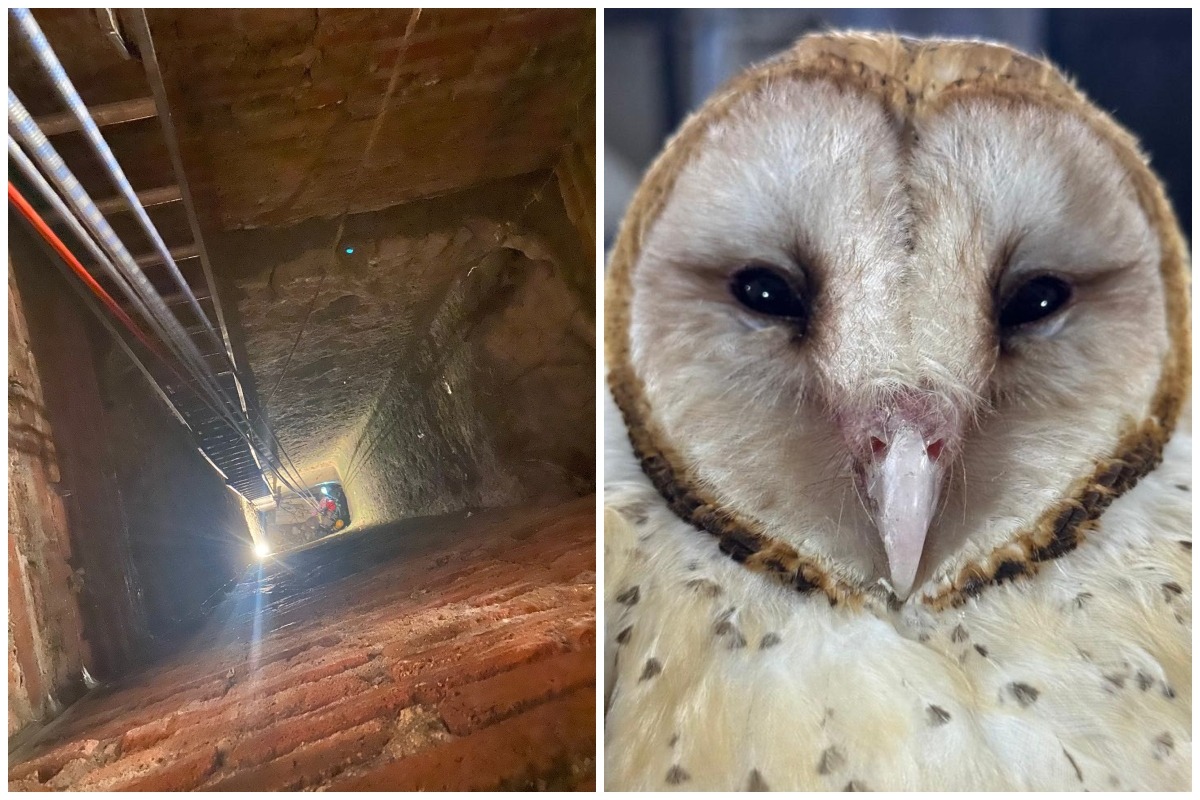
(89, 299)
(35, 178)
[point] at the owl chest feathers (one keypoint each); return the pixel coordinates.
(1075, 678)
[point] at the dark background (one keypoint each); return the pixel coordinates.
(662, 63)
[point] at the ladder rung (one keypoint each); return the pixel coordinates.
(109, 114)
(148, 198)
(181, 253)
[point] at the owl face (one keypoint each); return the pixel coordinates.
(891, 336)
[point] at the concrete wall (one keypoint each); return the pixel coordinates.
(119, 530)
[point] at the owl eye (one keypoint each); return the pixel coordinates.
(1034, 300)
(766, 290)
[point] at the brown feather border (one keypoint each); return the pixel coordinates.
(999, 73)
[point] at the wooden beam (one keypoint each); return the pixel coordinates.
(110, 114)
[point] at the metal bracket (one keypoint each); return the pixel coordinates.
(111, 25)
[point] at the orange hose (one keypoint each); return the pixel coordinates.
(35, 219)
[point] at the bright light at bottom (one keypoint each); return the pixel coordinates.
(261, 550)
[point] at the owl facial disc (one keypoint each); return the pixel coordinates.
(854, 253)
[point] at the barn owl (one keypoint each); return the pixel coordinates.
(897, 497)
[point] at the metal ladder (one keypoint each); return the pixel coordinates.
(225, 450)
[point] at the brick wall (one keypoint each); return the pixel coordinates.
(276, 107)
(119, 529)
(45, 642)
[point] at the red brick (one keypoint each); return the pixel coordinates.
(303, 698)
(500, 696)
(291, 733)
(203, 728)
(320, 96)
(30, 785)
(181, 772)
(516, 641)
(300, 674)
(306, 706)
(308, 764)
(433, 686)
(507, 754)
(46, 765)
(125, 769)
(207, 722)
(121, 717)
(144, 736)
(287, 653)
(441, 46)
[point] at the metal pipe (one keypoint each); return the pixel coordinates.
(59, 247)
(69, 258)
(90, 302)
(39, 182)
(60, 208)
(66, 90)
(67, 183)
(23, 126)
(149, 56)
(174, 335)
(17, 199)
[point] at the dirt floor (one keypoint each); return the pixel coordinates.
(449, 653)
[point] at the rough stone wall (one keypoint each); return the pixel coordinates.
(118, 524)
(277, 105)
(492, 409)
(488, 291)
(576, 173)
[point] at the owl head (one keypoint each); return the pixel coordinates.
(895, 318)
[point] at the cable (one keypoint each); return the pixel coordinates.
(90, 301)
(137, 287)
(312, 304)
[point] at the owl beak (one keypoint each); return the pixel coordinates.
(903, 480)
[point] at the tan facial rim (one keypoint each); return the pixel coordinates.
(853, 63)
